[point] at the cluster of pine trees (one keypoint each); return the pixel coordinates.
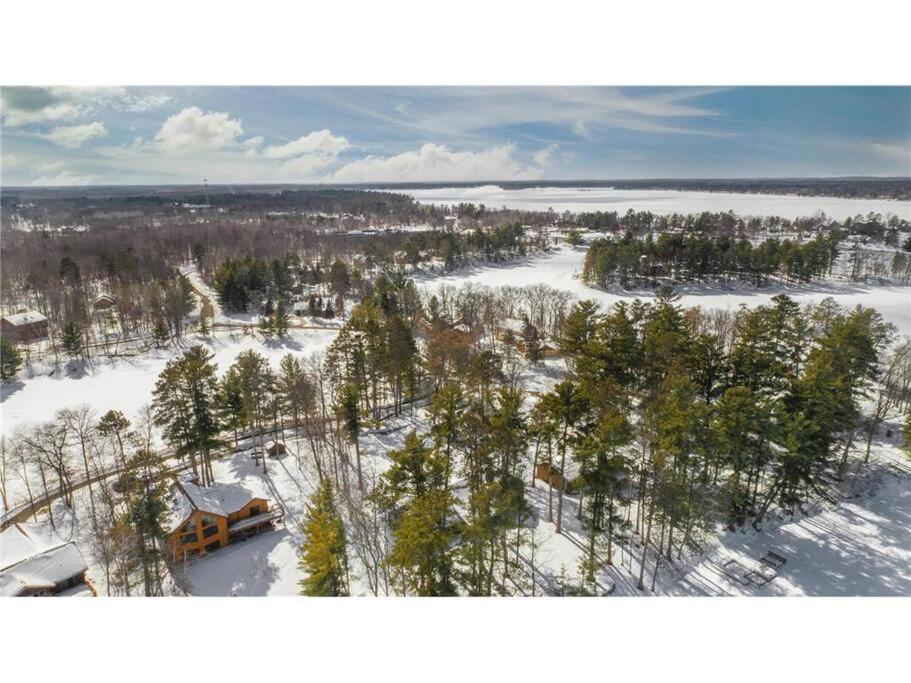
(691, 419)
(678, 258)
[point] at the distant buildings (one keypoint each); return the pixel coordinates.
(206, 519)
(24, 327)
(33, 563)
(104, 302)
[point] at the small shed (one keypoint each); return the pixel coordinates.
(104, 302)
(24, 327)
(275, 448)
(548, 474)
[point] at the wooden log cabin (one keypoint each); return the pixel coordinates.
(206, 519)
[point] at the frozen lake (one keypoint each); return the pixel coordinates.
(579, 199)
(562, 269)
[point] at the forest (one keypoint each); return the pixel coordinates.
(678, 258)
(669, 422)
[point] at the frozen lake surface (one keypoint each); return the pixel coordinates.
(579, 199)
(562, 269)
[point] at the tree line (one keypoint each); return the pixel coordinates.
(681, 258)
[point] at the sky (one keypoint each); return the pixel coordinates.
(181, 135)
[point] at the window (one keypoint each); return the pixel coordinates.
(215, 545)
(254, 510)
(188, 538)
(209, 531)
(207, 520)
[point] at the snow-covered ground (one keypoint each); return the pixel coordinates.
(578, 199)
(562, 269)
(126, 383)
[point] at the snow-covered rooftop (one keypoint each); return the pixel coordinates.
(30, 559)
(25, 318)
(217, 499)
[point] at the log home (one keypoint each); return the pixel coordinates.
(206, 519)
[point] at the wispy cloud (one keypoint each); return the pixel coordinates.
(78, 135)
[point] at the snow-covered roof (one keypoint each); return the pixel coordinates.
(25, 318)
(31, 559)
(513, 324)
(217, 499)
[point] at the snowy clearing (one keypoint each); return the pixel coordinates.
(126, 383)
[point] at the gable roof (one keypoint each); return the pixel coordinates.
(31, 559)
(217, 499)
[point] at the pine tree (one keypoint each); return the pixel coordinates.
(580, 327)
(72, 339)
(185, 406)
(531, 338)
(324, 556)
(231, 401)
(160, 333)
(281, 320)
(147, 514)
(266, 326)
(564, 406)
(10, 359)
(422, 550)
(348, 410)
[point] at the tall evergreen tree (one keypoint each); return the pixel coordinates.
(10, 359)
(324, 555)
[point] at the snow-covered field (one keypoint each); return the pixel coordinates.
(577, 199)
(126, 383)
(562, 269)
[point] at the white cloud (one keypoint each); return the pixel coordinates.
(584, 110)
(76, 136)
(433, 162)
(143, 102)
(317, 142)
(193, 130)
(10, 161)
(542, 156)
(64, 178)
(893, 151)
(30, 105)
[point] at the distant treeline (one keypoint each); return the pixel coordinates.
(631, 262)
(873, 225)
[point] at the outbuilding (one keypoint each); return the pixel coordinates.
(275, 448)
(24, 327)
(104, 302)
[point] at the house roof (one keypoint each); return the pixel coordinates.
(25, 318)
(32, 559)
(513, 324)
(217, 499)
